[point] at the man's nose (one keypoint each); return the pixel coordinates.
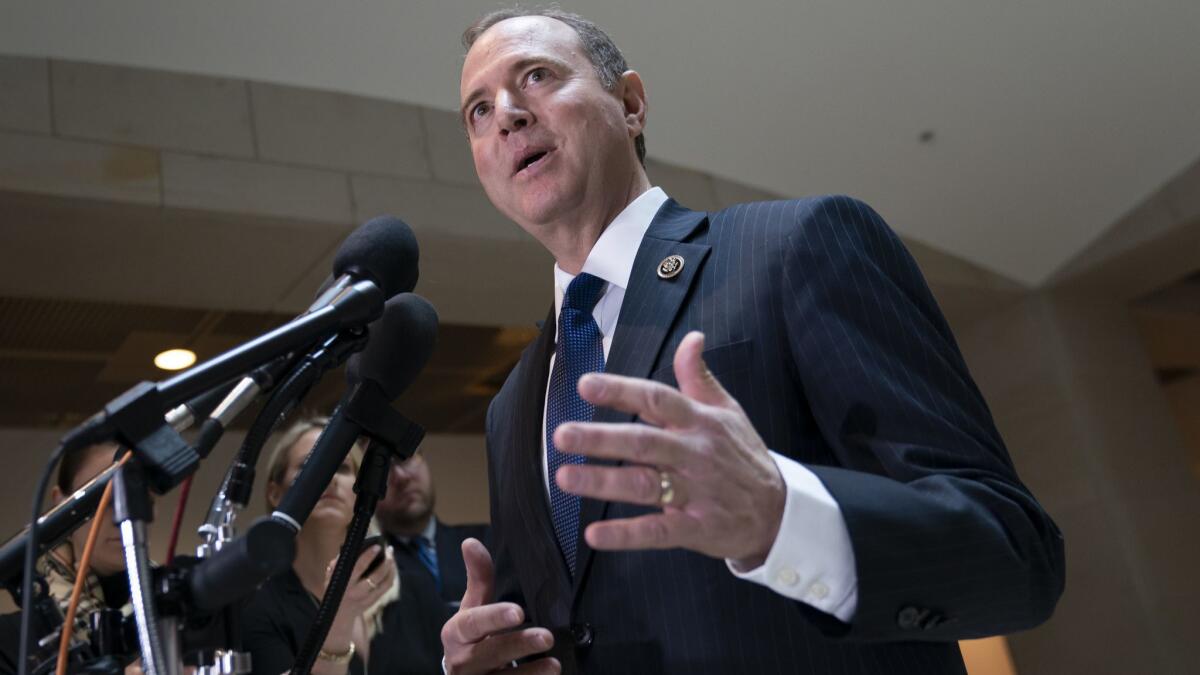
(399, 475)
(513, 115)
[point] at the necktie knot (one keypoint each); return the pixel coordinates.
(583, 293)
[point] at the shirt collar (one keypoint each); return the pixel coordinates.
(612, 256)
(429, 533)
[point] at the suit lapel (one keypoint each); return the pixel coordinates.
(648, 312)
(525, 445)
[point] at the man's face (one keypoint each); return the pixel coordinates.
(408, 504)
(549, 141)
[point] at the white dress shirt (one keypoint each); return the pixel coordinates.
(812, 559)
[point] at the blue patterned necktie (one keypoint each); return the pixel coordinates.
(580, 350)
(428, 556)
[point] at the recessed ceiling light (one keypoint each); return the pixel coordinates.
(175, 359)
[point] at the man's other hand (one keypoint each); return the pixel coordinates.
(483, 636)
(696, 455)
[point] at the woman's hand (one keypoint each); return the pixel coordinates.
(362, 592)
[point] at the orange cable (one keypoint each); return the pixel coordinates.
(81, 572)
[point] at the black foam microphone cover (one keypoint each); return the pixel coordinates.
(400, 344)
(383, 250)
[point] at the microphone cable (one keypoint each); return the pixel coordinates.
(81, 571)
(86, 434)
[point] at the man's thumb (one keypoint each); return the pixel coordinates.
(693, 376)
(481, 579)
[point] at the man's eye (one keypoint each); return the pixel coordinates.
(479, 111)
(537, 75)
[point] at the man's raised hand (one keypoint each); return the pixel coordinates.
(483, 636)
(697, 456)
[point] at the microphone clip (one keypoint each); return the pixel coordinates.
(137, 418)
(370, 408)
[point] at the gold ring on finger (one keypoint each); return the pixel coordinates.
(666, 493)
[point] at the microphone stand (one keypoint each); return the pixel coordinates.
(247, 565)
(159, 640)
(366, 410)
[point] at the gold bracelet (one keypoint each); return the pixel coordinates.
(339, 659)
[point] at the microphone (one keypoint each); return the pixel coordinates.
(377, 259)
(382, 250)
(381, 253)
(400, 344)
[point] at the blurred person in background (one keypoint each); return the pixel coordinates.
(105, 585)
(429, 556)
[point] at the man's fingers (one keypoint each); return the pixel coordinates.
(654, 402)
(480, 574)
(630, 442)
(660, 530)
(546, 666)
(472, 625)
(627, 484)
(500, 650)
(694, 378)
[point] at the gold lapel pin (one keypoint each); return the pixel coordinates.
(670, 267)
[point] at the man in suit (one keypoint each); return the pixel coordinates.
(783, 466)
(428, 554)
(426, 548)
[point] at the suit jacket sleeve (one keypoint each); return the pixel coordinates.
(940, 524)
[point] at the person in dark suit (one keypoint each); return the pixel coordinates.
(745, 441)
(429, 556)
(426, 548)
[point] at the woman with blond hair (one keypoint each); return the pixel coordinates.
(277, 621)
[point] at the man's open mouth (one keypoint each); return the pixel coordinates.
(531, 159)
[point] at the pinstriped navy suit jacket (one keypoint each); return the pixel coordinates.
(820, 324)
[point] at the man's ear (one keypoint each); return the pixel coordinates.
(633, 98)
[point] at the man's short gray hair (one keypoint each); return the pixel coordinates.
(599, 47)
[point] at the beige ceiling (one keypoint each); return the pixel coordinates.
(62, 360)
(1050, 119)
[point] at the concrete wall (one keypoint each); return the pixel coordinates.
(174, 170)
(1094, 437)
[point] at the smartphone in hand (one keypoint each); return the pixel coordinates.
(380, 556)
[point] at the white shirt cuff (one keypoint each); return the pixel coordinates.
(812, 559)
